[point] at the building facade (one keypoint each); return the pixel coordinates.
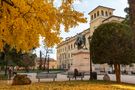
(65, 50)
(98, 16)
(52, 63)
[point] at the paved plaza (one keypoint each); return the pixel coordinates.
(63, 77)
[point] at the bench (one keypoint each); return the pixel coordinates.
(46, 75)
(71, 75)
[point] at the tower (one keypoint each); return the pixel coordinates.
(97, 15)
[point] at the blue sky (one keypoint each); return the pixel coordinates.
(85, 6)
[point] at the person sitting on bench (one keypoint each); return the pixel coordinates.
(76, 73)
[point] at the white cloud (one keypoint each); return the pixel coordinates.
(77, 2)
(85, 4)
(124, 2)
(81, 4)
(57, 3)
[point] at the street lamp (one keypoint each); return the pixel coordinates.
(89, 39)
(40, 65)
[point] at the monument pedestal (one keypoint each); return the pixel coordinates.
(81, 61)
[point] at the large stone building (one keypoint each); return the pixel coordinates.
(65, 50)
(98, 16)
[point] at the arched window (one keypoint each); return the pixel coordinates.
(69, 55)
(65, 49)
(110, 13)
(74, 45)
(71, 46)
(102, 12)
(91, 17)
(94, 15)
(106, 13)
(97, 13)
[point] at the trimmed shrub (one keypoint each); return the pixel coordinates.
(21, 80)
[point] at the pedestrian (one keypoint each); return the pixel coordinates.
(9, 73)
(75, 73)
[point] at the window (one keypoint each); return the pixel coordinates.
(94, 15)
(102, 12)
(97, 13)
(110, 13)
(65, 48)
(91, 17)
(94, 27)
(71, 46)
(62, 56)
(106, 13)
(65, 56)
(74, 46)
(69, 55)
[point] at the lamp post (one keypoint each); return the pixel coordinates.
(89, 39)
(40, 65)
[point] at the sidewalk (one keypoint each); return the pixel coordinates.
(61, 77)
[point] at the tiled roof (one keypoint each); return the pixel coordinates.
(100, 7)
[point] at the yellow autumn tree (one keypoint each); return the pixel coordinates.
(23, 21)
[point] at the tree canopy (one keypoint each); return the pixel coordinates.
(14, 58)
(112, 43)
(132, 18)
(22, 21)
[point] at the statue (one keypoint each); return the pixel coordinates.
(80, 41)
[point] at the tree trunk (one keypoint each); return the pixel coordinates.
(117, 72)
(45, 60)
(45, 63)
(6, 65)
(132, 18)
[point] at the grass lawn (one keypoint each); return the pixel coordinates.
(3, 77)
(70, 85)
